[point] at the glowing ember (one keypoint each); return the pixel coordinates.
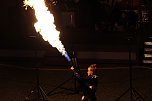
(45, 25)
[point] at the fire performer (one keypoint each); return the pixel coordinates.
(88, 83)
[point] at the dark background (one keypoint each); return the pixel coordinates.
(98, 32)
(96, 25)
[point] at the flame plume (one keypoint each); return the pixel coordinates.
(45, 25)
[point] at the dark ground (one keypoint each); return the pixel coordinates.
(17, 82)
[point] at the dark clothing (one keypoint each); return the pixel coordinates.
(88, 86)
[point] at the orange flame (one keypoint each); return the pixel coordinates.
(45, 25)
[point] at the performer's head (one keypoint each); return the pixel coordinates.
(92, 70)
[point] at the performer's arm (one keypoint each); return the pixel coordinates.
(77, 74)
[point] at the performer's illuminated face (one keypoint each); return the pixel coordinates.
(90, 71)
